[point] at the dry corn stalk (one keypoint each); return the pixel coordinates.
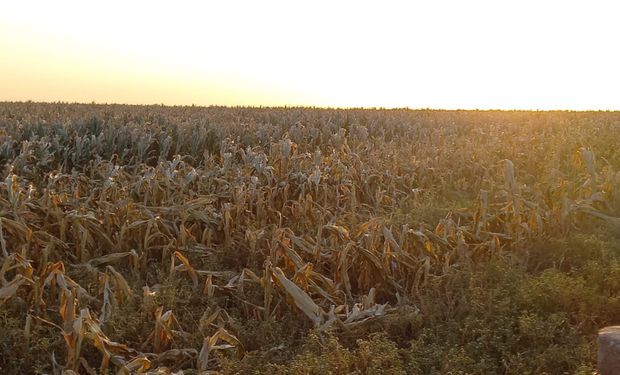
(300, 298)
(186, 266)
(211, 343)
(164, 332)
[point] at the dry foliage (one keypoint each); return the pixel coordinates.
(339, 217)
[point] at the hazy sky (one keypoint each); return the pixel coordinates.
(439, 54)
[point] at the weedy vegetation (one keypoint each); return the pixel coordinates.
(137, 239)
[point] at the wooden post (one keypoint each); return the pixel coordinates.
(609, 351)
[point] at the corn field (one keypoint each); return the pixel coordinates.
(147, 239)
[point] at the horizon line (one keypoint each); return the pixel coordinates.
(299, 106)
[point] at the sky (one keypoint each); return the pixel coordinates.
(418, 54)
